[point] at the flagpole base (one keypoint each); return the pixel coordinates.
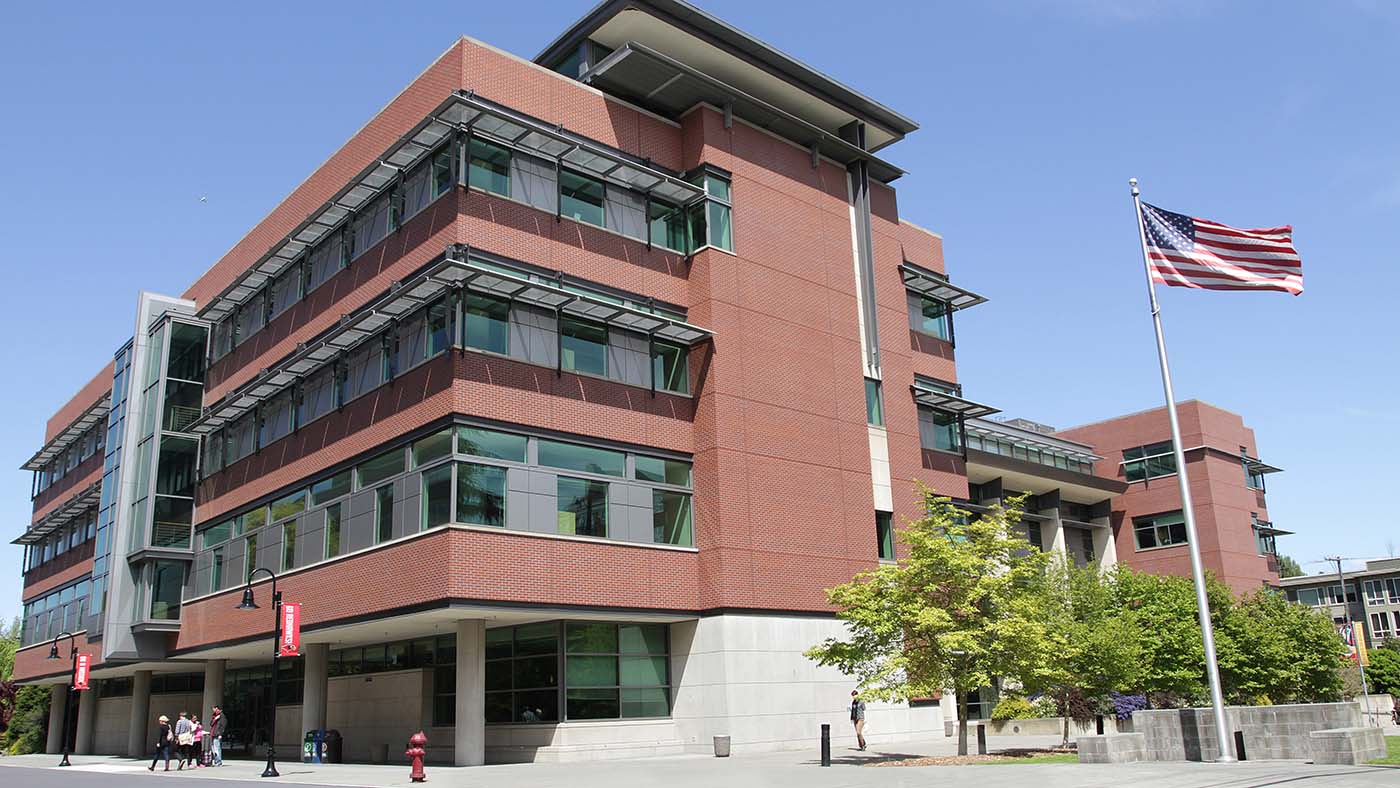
(1226, 759)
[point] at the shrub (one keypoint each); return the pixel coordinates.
(1045, 706)
(1125, 705)
(1013, 707)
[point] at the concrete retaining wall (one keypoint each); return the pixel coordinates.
(1351, 746)
(1270, 732)
(1112, 748)
(1039, 726)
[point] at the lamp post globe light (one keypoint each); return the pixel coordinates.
(249, 604)
(72, 678)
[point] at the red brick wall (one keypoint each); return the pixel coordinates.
(73, 482)
(90, 393)
(70, 566)
(1222, 501)
(32, 662)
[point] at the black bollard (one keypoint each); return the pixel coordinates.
(1239, 746)
(981, 739)
(826, 744)
(1098, 724)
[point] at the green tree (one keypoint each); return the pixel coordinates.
(959, 610)
(1287, 567)
(1384, 671)
(1096, 646)
(1172, 663)
(29, 725)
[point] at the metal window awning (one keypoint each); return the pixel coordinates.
(463, 111)
(1267, 529)
(950, 403)
(405, 297)
(63, 515)
(984, 431)
(930, 285)
(655, 80)
(70, 434)
(1253, 465)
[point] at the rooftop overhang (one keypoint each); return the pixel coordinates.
(70, 434)
(930, 285)
(950, 403)
(463, 112)
(71, 509)
(724, 52)
(457, 270)
(657, 81)
(1034, 477)
(1253, 465)
(991, 428)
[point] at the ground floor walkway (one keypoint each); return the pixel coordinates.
(850, 768)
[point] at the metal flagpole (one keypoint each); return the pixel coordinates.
(1217, 700)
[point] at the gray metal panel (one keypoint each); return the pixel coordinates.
(408, 509)
(533, 334)
(629, 357)
(270, 548)
(202, 568)
(625, 211)
(234, 563)
(517, 499)
(532, 180)
(311, 538)
(358, 529)
(544, 503)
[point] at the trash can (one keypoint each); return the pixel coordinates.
(721, 746)
(335, 747)
(308, 747)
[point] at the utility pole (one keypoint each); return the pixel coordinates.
(1346, 611)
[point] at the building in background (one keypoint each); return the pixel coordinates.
(1372, 597)
(556, 397)
(1227, 488)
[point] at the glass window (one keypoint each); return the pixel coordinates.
(481, 494)
(933, 317)
(439, 327)
(487, 322)
(582, 507)
(289, 506)
(329, 489)
(655, 469)
(250, 555)
(874, 408)
(216, 535)
(431, 448)
(167, 578)
(884, 535)
(522, 673)
(721, 231)
(388, 464)
(437, 495)
(333, 530)
(1149, 462)
(580, 197)
(939, 430)
(667, 226)
(589, 459)
(489, 443)
(289, 545)
(584, 345)
(1160, 530)
(384, 514)
(671, 518)
(669, 368)
(490, 167)
(616, 671)
(250, 520)
(442, 170)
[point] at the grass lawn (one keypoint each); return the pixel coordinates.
(1392, 752)
(1054, 757)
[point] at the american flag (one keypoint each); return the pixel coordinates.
(1187, 252)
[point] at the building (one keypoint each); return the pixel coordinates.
(1227, 488)
(511, 393)
(1372, 597)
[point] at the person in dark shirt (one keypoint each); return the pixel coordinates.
(858, 717)
(164, 735)
(217, 725)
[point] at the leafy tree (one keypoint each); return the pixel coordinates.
(1287, 567)
(1384, 670)
(1096, 647)
(1164, 608)
(961, 609)
(29, 725)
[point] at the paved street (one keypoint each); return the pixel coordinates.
(850, 770)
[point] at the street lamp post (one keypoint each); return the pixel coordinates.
(249, 604)
(72, 679)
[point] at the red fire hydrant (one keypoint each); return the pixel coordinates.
(415, 752)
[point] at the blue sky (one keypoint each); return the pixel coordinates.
(119, 118)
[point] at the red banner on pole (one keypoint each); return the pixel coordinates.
(81, 670)
(290, 644)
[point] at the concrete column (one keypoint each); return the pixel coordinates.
(1104, 543)
(87, 721)
(1056, 531)
(58, 698)
(469, 743)
(139, 734)
(313, 697)
(213, 688)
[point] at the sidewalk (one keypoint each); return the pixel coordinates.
(759, 771)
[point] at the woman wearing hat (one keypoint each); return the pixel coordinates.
(163, 738)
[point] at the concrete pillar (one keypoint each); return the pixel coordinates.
(58, 698)
(87, 721)
(469, 743)
(313, 697)
(213, 688)
(139, 732)
(1104, 543)
(1055, 529)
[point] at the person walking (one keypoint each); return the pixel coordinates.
(164, 736)
(184, 738)
(197, 747)
(217, 726)
(858, 718)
